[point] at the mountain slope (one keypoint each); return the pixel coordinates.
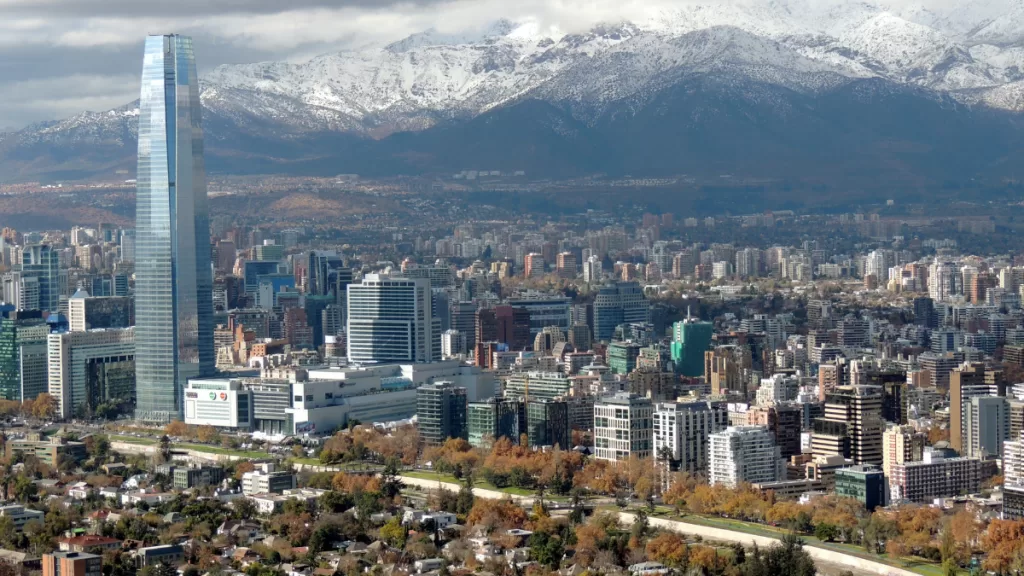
(741, 85)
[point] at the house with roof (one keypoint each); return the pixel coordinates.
(88, 543)
(80, 490)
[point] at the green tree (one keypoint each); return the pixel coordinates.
(546, 549)
(826, 532)
(394, 533)
(391, 485)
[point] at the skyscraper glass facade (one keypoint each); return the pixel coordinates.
(173, 276)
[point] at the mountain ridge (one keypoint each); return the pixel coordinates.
(776, 59)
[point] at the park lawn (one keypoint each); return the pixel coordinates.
(132, 440)
(918, 565)
(224, 451)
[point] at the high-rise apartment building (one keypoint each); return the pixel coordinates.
(681, 431)
(547, 423)
(390, 320)
(22, 355)
(783, 422)
(743, 454)
(533, 265)
(901, 444)
(173, 271)
(566, 265)
(623, 427)
(968, 381)
(986, 426)
(852, 425)
(441, 412)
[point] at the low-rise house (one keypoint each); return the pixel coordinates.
(170, 554)
(648, 568)
(270, 503)
(115, 469)
(110, 493)
(80, 490)
(244, 531)
(151, 498)
(428, 565)
(23, 559)
(20, 515)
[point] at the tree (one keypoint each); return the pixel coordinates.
(205, 434)
(546, 549)
(244, 508)
(44, 407)
(393, 532)
(826, 532)
(670, 549)
(176, 428)
(391, 485)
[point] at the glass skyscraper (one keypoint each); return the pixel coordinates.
(173, 276)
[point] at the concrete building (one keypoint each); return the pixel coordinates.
(267, 480)
(195, 476)
(968, 381)
(901, 444)
(986, 426)
(681, 431)
(623, 427)
(49, 451)
(935, 477)
(72, 564)
(86, 369)
(547, 423)
(20, 515)
(783, 421)
(743, 454)
(690, 340)
(618, 303)
(852, 425)
(391, 320)
(91, 313)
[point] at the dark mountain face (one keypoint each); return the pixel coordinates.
(864, 132)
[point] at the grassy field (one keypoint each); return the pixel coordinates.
(188, 446)
(483, 484)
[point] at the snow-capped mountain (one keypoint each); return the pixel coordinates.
(965, 51)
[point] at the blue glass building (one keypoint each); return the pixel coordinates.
(173, 272)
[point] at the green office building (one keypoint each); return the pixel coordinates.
(23, 368)
(864, 483)
(690, 339)
(547, 423)
(494, 418)
(622, 357)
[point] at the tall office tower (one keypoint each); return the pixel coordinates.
(533, 265)
(173, 276)
(743, 454)
(690, 340)
(506, 325)
(42, 262)
(966, 382)
(623, 427)
(389, 320)
(852, 426)
(681, 431)
(986, 426)
(441, 412)
(319, 265)
(462, 317)
(619, 303)
(87, 369)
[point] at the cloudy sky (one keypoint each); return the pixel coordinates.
(60, 57)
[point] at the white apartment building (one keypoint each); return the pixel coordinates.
(744, 454)
(267, 480)
(623, 427)
(777, 389)
(681, 431)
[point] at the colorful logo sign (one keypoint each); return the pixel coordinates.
(223, 396)
(213, 395)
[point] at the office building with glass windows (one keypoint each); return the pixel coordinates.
(173, 269)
